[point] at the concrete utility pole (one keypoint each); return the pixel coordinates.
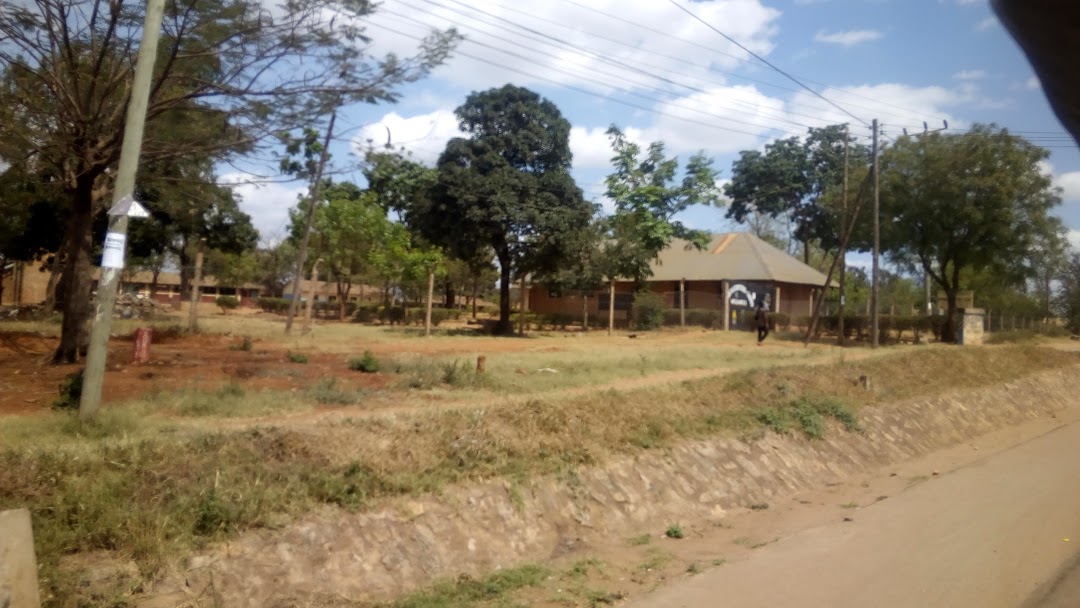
(843, 247)
(124, 206)
(301, 255)
(877, 244)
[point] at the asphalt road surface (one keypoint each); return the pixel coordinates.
(1001, 532)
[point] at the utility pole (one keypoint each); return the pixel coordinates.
(877, 243)
(124, 205)
(301, 255)
(843, 246)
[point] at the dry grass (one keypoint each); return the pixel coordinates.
(148, 489)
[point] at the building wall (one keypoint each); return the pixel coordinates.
(795, 300)
(26, 285)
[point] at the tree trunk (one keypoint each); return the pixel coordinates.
(504, 327)
(806, 252)
(948, 330)
(196, 296)
(343, 297)
(584, 312)
(75, 329)
(153, 283)
(450, 295)
(475, 291)
(56, 268)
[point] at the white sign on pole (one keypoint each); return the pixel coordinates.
(113, 255)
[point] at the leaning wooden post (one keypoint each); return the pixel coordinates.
(724, 289)
(682, 303)
(430, 298)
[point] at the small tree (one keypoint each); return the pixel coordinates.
(648, 198)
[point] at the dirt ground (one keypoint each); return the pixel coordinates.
(29, 384)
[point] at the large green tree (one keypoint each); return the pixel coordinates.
(230, 74)
(974, 201)
(788, 179)
(508, 187)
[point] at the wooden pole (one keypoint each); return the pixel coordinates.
(843, 249)
(611, 309)
(874, 282)
(524, 305)
(724, 289)
(682, 303)
(196, 279)
(430, 299)
(585, 312)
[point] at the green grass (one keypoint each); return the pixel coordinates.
(465, 592)
(675, 531)
(641, 540)
(328, 392)
(296, 357)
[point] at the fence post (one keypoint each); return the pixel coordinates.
(727, 305)
(682, 303)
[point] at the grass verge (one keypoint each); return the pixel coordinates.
(144, 489)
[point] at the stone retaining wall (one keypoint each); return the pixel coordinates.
(478, 529)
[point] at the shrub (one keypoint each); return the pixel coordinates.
(227, 303)
(327, 392)
(296, 357)
(274, 305)
(245, 346)
(648, 311)
(367, 364)
(70, 392)
(674, 531)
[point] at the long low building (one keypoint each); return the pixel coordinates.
(25, 283)
(733, 272)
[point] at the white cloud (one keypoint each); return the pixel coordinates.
(1033, 84)
(1070, 186)
(595, 39)
(1074, 239)
(895, 105)
(849, 38)
(591, 147)
(987, 24)
(267, 203)
(970, 75)
(423, 135)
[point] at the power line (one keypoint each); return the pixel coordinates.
(907, 111)
(576, 88)
(766, 61)
(631, 93)
(607, 60)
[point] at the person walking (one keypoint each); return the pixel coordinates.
(761, 318)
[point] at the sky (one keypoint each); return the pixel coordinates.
(660, 74)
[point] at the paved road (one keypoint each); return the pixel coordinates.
(992, 534)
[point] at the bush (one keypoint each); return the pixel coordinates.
(227, 303)
(70, 392)
(648, 311)
(327, 392)
(367, 364)
(274, 305)
(296, 357)
(245, 346)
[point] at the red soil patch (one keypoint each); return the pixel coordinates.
(29, 384)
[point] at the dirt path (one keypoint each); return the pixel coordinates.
(997, 532)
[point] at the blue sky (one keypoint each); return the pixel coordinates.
(661, 75)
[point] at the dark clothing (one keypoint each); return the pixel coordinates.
(761, 318)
